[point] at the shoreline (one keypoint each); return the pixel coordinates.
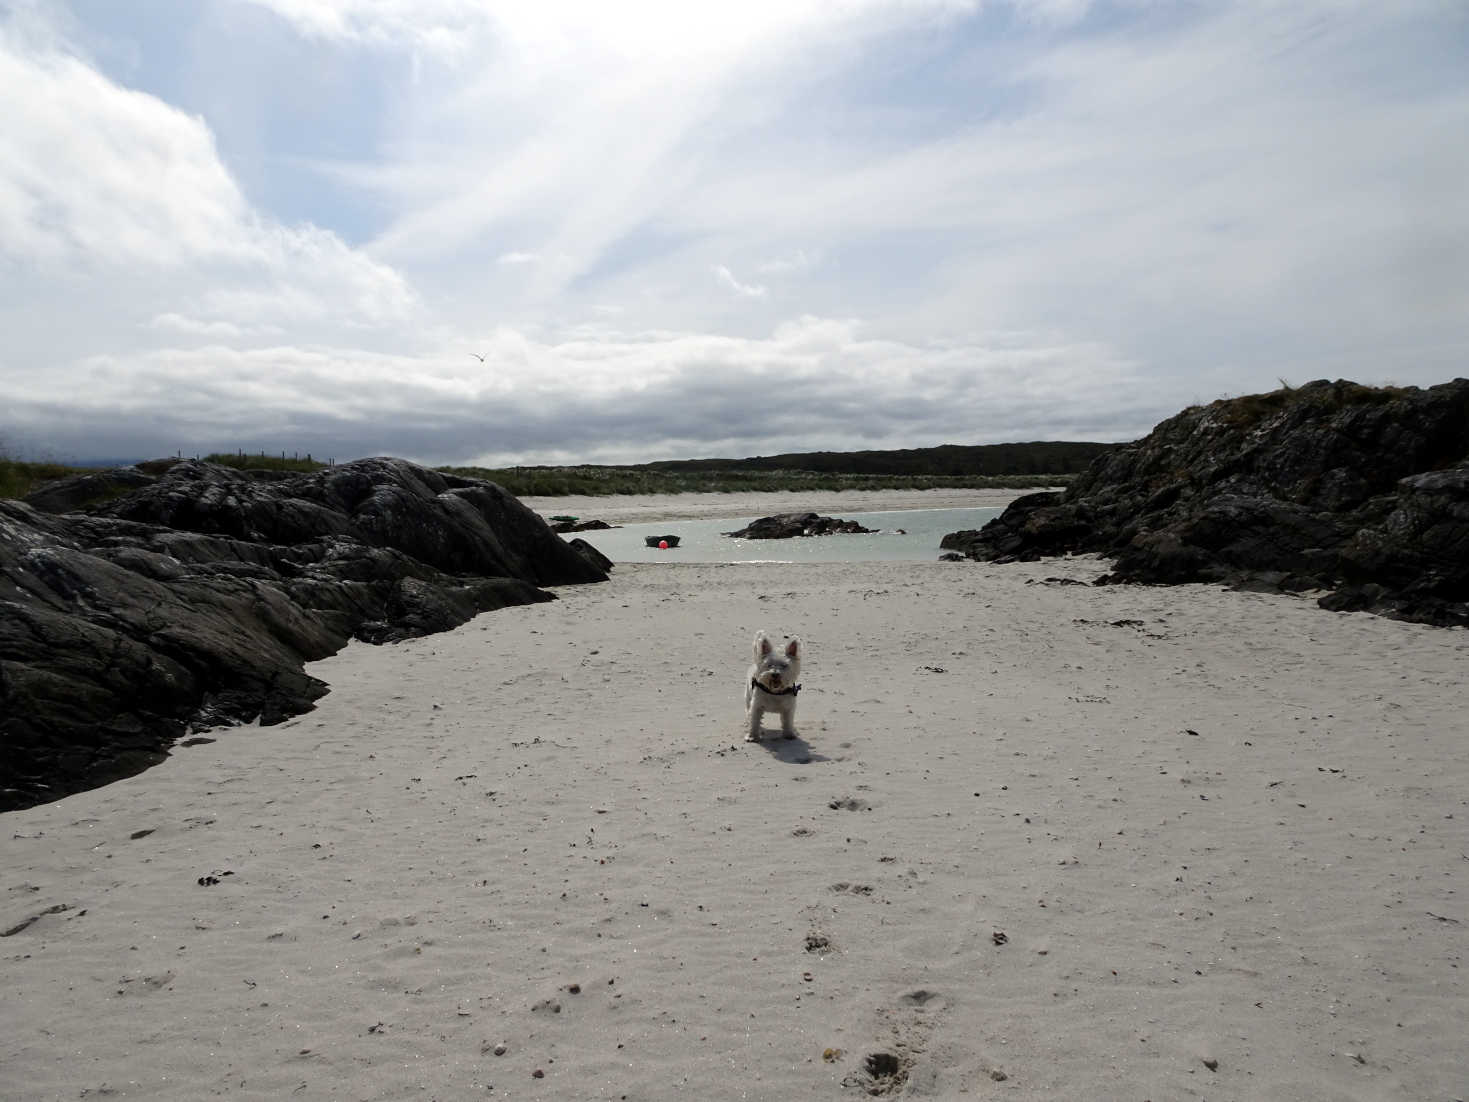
(652, 508)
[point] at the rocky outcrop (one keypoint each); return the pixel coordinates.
(192, 596)
(591, 554)
(786, 526)
(581, 525)
(1362, 491)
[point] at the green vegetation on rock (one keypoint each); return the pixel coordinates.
(18, 478)
(262, 462)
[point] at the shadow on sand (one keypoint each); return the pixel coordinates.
(792, 751)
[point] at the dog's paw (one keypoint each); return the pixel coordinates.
(788, 734)
(753, 736)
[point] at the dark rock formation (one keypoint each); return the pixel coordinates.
(591, 554)
(787, 525)
(67, 495)
(580, 525)
(1359, 490)
(194, 597)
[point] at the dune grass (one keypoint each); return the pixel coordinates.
(18, 478)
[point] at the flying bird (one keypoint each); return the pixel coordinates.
(478, 357)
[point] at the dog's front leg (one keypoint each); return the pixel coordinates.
(755, 715)
(788, 721)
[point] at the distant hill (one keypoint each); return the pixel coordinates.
(1038, 464)
(1037, 457)
(949, 466)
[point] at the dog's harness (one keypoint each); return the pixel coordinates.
(789, 690)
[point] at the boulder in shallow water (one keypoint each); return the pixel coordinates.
(790, 525)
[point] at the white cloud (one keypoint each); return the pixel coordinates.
(212, 330)
(437, 26)
(1053, 219)
(113, 201)
(551, 31)
(91, 173)
(798, 261)
(748, 290)
(597, 394)
(595, 119)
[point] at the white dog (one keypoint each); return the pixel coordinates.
(773, 685)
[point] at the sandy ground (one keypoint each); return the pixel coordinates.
(632, 509)
(1035, 841)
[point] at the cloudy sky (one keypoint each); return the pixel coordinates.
(505, 231)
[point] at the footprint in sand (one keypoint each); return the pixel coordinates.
(886, 1068)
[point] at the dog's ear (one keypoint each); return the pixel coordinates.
(793, 648)
(762, 644)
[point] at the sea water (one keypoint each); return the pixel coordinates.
(904, 535)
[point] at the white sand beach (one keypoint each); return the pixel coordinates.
(1037, 840)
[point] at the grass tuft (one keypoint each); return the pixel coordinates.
(262, 462)
(18, 478)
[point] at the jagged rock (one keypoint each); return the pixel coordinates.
(1416, 560)
(563, 526)
(788, 525)
(66, 495)
(1032, 526)
(196, 598)
(591, 554)
(1358, 490)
